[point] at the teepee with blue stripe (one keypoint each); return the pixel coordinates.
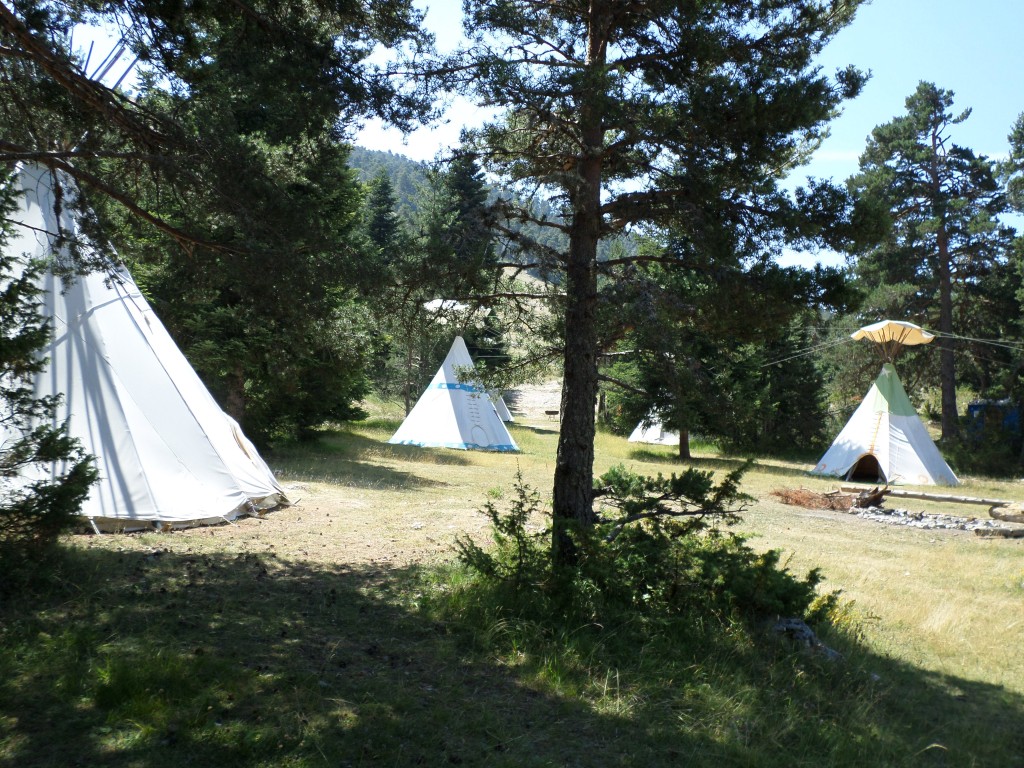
(455, 411)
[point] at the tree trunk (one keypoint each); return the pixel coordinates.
(408, 376)
(684, 444)
(573, 499)
(573, 494)
(947, 363)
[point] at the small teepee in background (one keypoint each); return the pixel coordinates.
(455, 411)
(652, 431)
(885, 440)
(499, 405)
(167, 454)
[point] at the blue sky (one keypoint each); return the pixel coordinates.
(973, 47)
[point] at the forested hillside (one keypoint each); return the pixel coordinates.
(409, 177)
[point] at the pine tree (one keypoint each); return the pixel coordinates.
(224, 175)
(639, 114)
(435, 266)
(44, 474)
(1012, 170)
(701, 336)
(944, 238)
(383, 227)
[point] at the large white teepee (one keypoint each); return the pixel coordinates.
(455, 412)
(166, 453)
(885, 441)
(651, 430)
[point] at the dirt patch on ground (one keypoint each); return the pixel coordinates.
(802, 497)
(535, 402)
(366, 503)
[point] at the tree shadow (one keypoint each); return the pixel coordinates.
(171, 657)
(729, 464)
(350, 458)
(535, 429)
(440, 456)
(716, 463)
(512, 397)
(654, 456)
(355, 474)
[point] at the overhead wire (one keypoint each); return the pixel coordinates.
(1018, 346)
(808, 351)
(844, 338)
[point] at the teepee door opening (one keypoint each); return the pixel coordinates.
(867, 470)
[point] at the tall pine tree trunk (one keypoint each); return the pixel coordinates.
(573, 494)
(407, 392)
(684, 444)
(947, 363)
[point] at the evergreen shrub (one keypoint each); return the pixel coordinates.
(44, 473)
(662, 550)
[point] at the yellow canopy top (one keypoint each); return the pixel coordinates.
(906, 334)
(893, 335)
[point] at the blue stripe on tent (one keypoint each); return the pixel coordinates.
(505, 448)
(466, 387)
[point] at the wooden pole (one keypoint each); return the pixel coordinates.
(933, 496)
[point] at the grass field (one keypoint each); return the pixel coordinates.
(302, 639)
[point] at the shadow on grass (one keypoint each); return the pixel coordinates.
(169, 658)
(535, 429)
(387, 425)
(354, 474)
(350, 458)
(716, 463)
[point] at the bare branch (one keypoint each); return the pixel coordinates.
(94, 95)
(622, 384)
(14, 153)
(186, 241)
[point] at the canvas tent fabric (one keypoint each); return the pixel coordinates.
(892, 335)
(899, 331)
(499, 405)
(455, 411)
(652, 431)
(166, 453)
(886, 441)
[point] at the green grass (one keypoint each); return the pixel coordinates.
(250, 646)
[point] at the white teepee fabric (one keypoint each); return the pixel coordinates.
(455, 412)
(167, 454)
(652, 431)
(499, 405)
(886, 441)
